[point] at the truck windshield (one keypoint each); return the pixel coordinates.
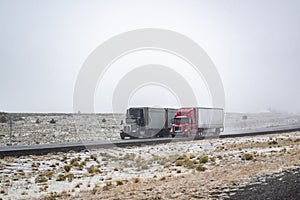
(130, 120)
(181, 120)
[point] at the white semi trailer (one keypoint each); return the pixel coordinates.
(198, 121)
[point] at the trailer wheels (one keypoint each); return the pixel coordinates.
(122, 135)
(217, 132)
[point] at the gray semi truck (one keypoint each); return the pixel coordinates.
(147, 122)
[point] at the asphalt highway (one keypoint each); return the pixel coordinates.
(41, 149)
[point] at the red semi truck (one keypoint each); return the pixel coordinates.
(198, 121)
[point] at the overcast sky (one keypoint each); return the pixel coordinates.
(255, 45)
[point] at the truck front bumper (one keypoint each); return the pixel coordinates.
(179, 133)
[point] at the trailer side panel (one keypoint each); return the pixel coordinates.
(210, 117)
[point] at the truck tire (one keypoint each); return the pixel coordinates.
(122, 135)
(217, 133)
(200, 132)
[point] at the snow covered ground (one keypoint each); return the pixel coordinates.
(180, 170)
(246, 121)
(140, 172)
(29, 129)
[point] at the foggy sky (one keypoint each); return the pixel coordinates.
(255, 45)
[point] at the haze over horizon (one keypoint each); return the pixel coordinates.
(254, 45)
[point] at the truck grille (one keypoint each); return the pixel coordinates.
(127, 129)
(177, 128)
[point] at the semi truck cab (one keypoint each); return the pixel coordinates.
(183, 122)
(197, 121)
(134, 123)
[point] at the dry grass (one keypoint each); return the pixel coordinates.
(203, 159)
(136, 180)
(61, 177)
(41, 179)
(48, 174)
(108, 186)
(272, 141)
(70, 177)
(93, 157)
(200, 167)
(67, 168)
(119, 182)
(141, 164)
(93, 169)
(247, 156)
(128, 156)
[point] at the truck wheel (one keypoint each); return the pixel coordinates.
(200, 132)
(123, 135)
(217, 132)
(158, 135)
